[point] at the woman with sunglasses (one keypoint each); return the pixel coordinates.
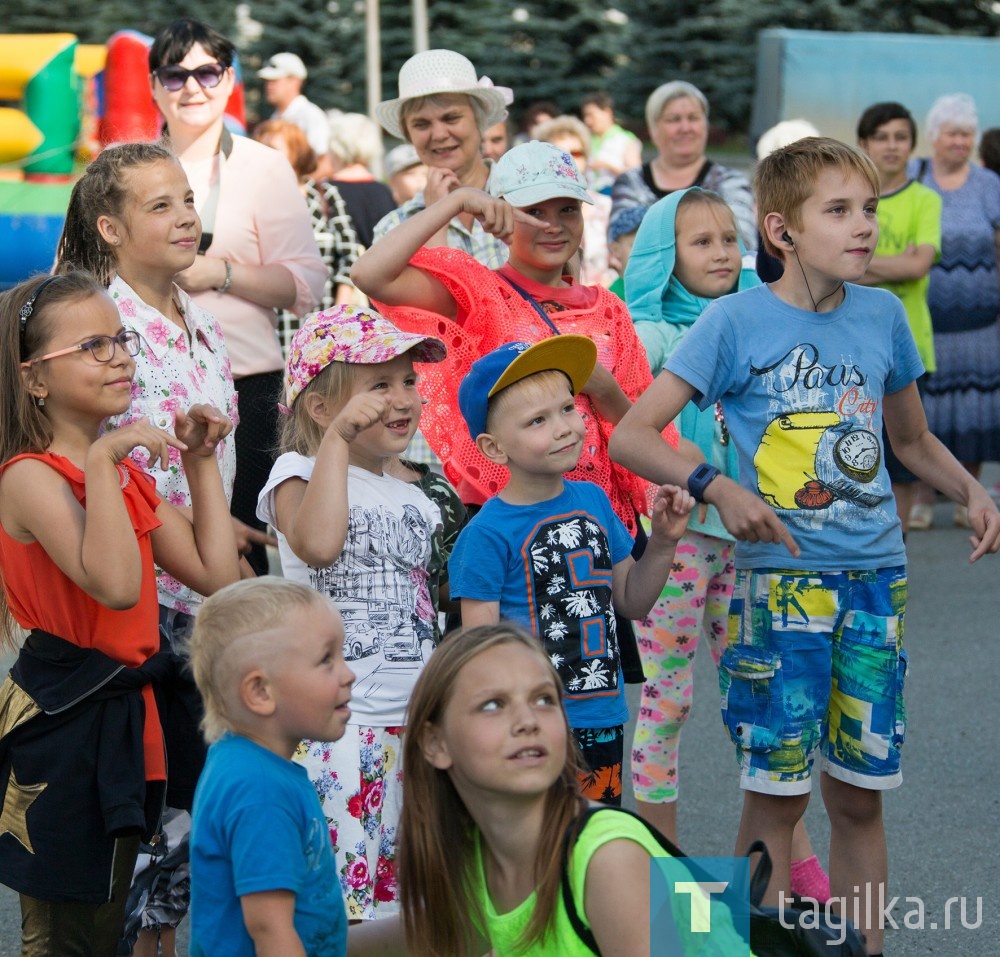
(82, 761)
(258, 245)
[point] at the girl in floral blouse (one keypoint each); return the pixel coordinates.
(131, 221)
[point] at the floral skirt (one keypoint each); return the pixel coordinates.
(359, 780)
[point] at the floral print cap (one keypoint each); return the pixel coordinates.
(353, 335)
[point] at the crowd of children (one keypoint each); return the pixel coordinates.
(709, 462)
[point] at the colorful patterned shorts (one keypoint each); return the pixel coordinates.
(603, 752)
(359, 780)
(815, 662)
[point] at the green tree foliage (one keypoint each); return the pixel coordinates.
(94, 22)
(542, 49)
(711, 43)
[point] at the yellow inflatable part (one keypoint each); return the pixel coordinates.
(19, 137)
(89, 59)
(23, 56)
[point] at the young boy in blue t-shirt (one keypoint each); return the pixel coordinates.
(551, 554)
(806, 370)
(267, 656)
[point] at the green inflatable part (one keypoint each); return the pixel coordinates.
(52, 103)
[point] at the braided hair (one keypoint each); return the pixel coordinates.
(101, 191)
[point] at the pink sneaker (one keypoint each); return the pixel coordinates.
(810, 880)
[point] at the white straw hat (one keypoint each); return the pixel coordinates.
(435, 72)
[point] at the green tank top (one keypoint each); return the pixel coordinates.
(504, 930)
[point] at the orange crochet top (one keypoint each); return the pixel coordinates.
(489, 313)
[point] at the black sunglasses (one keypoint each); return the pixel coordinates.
(174, 78)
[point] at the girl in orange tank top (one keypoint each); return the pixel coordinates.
(80, 527)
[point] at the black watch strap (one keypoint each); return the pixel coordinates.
(699, 480)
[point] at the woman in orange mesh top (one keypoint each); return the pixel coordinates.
(535, 207)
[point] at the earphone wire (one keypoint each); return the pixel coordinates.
(815, 304)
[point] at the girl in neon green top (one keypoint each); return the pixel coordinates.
(491, 785)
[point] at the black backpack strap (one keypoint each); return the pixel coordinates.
(761, 876)
(573, 832)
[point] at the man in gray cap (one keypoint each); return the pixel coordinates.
(283, 76)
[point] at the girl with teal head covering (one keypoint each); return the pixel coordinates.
(686, 253)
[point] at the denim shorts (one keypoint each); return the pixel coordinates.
(815, 663)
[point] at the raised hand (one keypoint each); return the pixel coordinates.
(118, 443)
(201, 428)
(440, 182)
(672, 506)
(497, 216)
(361, 412)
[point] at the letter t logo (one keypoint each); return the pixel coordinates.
(700, 892)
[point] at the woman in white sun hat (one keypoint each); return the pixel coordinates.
(443, 109)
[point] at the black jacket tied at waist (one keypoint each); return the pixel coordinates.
(72, 768)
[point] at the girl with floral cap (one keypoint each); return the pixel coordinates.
(349, 529)
(534, 204)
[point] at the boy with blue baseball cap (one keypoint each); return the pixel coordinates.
(550, 553)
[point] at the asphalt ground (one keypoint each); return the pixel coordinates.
(941, 824)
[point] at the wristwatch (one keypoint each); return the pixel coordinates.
(700, 479)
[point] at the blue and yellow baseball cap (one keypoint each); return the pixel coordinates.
(575, 356)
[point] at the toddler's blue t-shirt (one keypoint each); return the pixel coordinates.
(257, 825)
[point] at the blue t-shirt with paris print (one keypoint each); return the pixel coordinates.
(549, 566)
(803, 395)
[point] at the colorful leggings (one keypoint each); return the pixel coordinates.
(694, 602)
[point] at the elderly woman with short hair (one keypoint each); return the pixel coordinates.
(962, 397)
(677, 120)
(355, 156)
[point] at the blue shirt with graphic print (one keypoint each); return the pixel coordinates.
(549, 565)
(803, 394)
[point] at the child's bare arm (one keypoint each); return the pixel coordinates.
(313, 515)
(637, 444)
(199, 548)
(607, 395)
(616, 899)
(269, 917)
(384, 271)
(637, 584)
(95, 548)
(377, 938)
(479, 612)
(924, 455)
(914, 262)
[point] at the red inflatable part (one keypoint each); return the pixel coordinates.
(130, 115)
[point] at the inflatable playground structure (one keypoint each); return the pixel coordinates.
(61, 102)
